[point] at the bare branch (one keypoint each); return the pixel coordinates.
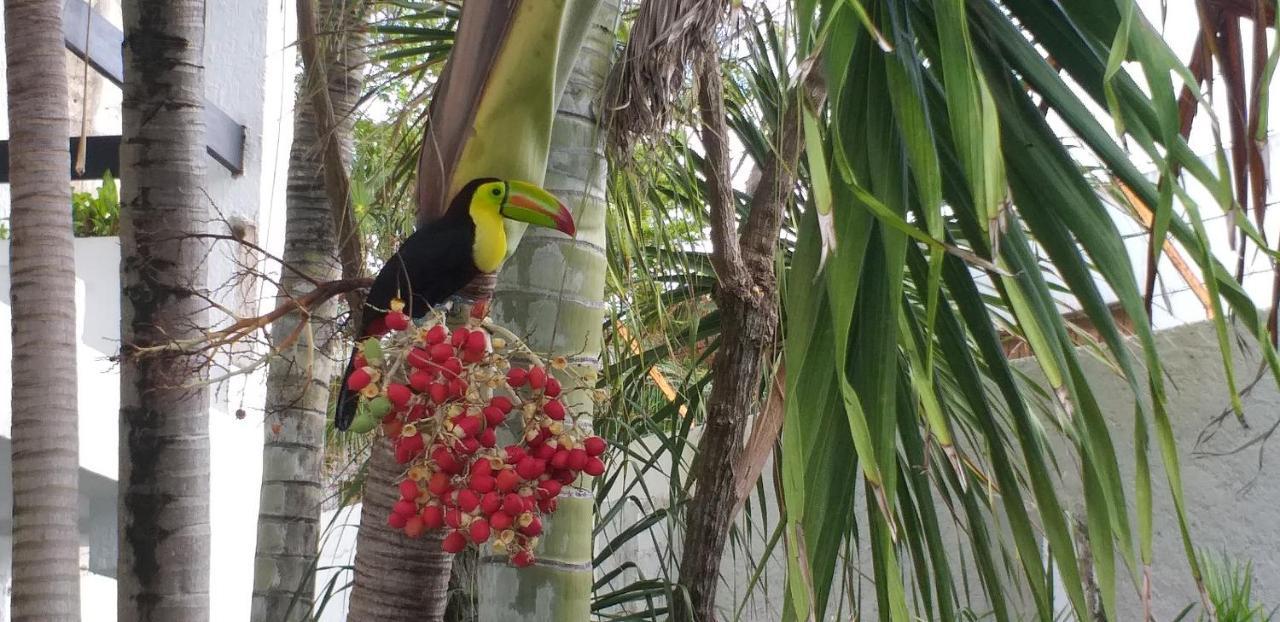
(726, 257)
(778, 180)
(243, 327)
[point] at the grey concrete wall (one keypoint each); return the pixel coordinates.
(1232, 499)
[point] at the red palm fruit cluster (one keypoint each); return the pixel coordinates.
(457, 478)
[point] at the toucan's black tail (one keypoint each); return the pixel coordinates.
(344, 412)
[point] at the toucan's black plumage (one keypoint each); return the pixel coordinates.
(441, 258)
(432, 264)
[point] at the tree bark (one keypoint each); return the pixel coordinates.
(298, 377)
(46, 538)
(396, 579)
(748, 300)
(551, 293)
(164, 420)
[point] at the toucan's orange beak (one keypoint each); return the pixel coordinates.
(528, 203)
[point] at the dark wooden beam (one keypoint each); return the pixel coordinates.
(224, 137)
(102, 154)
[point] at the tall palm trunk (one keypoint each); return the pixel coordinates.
(491, 116)
(558, 306)
(46, 543)
(298, 378)
(164, 427)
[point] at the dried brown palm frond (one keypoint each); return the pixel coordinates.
(668, 38)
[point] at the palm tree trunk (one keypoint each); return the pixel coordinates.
(559, 308)
(164, 425)
(298, 378)
(46, 543)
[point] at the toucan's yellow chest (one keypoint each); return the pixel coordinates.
(490, 246)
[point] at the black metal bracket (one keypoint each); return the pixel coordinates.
(224, 137)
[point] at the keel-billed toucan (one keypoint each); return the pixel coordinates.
(441, 258)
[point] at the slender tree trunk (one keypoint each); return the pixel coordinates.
(46, 539)
(298, 378)
(164, 420)
(551, 292)
(747, 298)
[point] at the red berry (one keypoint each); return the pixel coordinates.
(479, 530)
(595, 467)
(360, 361)
(359, 379)
(549, 488)
(502, 403)
(396, 521)
(409, 490)
(534, 528)
(537, 378)
(594, 445)
(529, 503)
(439, 484)
(453, 518)
(512, 504)
(547, 506)
(399, 394)
(500, 520)
(439, 392)
(467, 500)
(516, 377)
(552, 389)
(543, 435)
(468, 446)
(441, 352)
(560, 460)
(488, 438)
(482, 483)
(515, 453)
(469, 425)
(523, 559)
(414, 527)
(436, 334)
(531, 468)
(472, 356)
(475, 342)
(397, 320)
(565, 476)
(554, 409)
(457, 387)
(404, 508)
(419, 358)
(544, 452)
(578, 459)
(491, 502)
(403, 454)
(459, 337)
(507, 480)
(377, 327)
(413, 444)
(421, 380)
(455, 542)
(433, 517)
(445, 460)
(452, 367)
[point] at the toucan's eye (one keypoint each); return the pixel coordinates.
(497, 192)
